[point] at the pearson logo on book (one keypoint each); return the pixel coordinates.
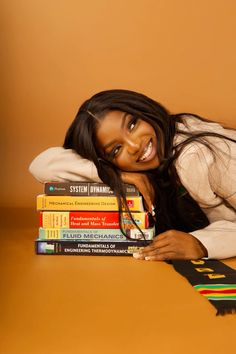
(82, 218)
(55, 189)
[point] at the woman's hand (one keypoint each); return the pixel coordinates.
(141, 181)
(173, 244)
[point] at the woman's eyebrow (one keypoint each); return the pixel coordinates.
(121, 126)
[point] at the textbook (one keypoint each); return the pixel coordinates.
(109, 203)
(85, 189)
(94, 234)
(89, 248)
(93, 219)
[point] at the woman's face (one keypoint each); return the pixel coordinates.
(128, 142)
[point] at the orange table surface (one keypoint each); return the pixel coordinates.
(99, 304)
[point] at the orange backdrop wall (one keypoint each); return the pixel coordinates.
(57, 53)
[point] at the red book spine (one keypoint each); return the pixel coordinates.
(86, 219)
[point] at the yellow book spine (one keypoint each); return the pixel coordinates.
(45, 202)
(59, 219)
(53, 234)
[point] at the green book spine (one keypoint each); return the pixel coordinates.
(94, 234)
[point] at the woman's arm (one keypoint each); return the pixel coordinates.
(57, 164)
(219, 238)
(211, 181)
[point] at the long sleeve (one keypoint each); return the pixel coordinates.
(219, 238)
(60, 165)
(211, 181)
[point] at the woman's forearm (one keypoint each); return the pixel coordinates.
(58, 164)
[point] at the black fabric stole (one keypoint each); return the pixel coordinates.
(213, 279)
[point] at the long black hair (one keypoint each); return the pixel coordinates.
(175, 208)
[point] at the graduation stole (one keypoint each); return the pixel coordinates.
(212, 279)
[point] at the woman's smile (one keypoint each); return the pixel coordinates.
(148, 152)
(128, 142)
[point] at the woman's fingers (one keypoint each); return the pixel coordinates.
(173, 244)
(157, 244)
(164, 256)
(157, 249)
(148, 203)
(147, 192)
(144, 186)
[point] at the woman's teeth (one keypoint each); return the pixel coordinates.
(147, 152)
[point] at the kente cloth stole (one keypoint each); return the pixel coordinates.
(212, 279)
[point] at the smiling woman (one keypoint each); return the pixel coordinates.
(128, 142)
(184, 166)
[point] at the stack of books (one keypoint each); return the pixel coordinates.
(82, 218)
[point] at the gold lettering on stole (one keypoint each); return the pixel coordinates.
(198, 261)
(215, 276)
(201, 270)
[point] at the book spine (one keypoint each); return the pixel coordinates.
(94, 234)
(63, 247)
(85, 189)
(47, 202)
(92, 220)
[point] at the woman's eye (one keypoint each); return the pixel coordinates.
(115, 151)
(132, 123)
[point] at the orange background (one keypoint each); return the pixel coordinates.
(57, 53)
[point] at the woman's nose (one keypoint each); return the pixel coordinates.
(132, 146)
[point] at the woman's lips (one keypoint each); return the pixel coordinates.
(148, 152)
